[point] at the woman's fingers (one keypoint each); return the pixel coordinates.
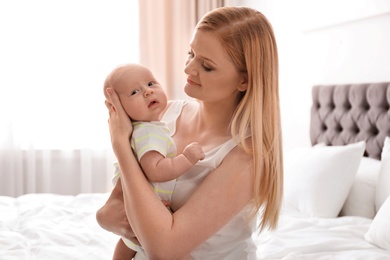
(113, 97)
(119, 121)
(115, 102)
(109, 106)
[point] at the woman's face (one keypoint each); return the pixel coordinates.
(212, 76)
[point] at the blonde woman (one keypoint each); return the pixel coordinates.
(232, 73)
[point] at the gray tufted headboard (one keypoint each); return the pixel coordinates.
(344, 114)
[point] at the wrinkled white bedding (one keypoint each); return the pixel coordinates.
(48, 226)
(300, 237)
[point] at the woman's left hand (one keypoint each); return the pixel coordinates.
(119, 122)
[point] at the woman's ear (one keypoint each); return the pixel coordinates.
(243, 85)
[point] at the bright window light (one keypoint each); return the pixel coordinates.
(54, 57)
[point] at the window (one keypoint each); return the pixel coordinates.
(55, 56)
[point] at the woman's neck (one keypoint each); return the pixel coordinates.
(211, 123)
(214, 116)
(205, 123)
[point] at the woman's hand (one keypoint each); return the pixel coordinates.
(119, 122)
(112, 216)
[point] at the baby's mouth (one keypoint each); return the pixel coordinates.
(153, 102)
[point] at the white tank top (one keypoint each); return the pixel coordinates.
(234, 241)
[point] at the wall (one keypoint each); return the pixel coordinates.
(324, 42)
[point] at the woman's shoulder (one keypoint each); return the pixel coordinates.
(176, 107)
(240, 154)
(180, 103)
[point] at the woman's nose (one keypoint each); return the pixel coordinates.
(148, 92)
(189, 68)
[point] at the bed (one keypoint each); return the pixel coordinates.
(336, 203)
(50, 226)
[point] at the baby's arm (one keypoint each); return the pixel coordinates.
(158, 168)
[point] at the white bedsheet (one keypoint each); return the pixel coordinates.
(298, 237)
(48, 226)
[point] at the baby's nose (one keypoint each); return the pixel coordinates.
(148, 92)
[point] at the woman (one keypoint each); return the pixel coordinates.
(232, 70)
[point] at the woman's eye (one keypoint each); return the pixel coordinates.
(206, 68)
(134, 91)
(191, 55)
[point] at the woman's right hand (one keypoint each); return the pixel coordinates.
(119, 122)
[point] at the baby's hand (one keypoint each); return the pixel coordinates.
(193, 152)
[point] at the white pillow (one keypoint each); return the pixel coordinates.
(317, 180)
(383, 187)
(361, 197)
(379, 231)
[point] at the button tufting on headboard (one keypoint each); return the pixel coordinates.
(344, 114)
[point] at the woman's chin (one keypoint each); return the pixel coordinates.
(191, 90)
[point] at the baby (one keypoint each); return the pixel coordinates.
(145, 101)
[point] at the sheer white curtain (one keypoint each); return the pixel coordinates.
(54, 56)
(165, 36)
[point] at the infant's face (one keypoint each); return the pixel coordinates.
(141, 95)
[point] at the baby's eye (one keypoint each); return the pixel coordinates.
(150, 84)
(135, 91)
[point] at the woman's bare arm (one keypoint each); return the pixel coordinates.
(112, 215)
(219, 198)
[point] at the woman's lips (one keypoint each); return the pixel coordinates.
(190, 82)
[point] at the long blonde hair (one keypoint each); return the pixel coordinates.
(250, 42)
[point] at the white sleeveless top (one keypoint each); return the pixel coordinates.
(234, 241)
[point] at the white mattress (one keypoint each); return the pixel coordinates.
(47, 226)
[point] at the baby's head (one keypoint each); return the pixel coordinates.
(141, 95)
(118, 77)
